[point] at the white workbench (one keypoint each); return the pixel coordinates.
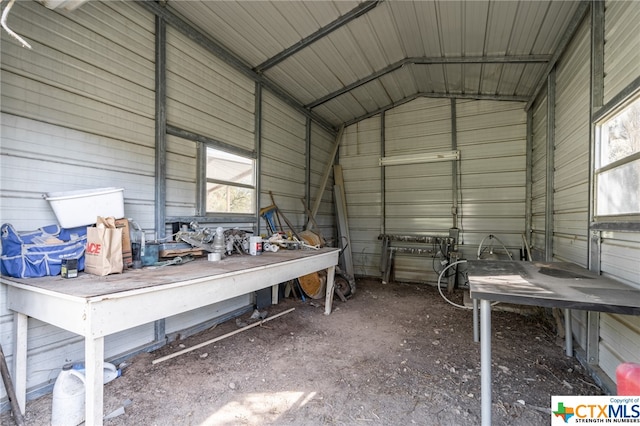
(95, 307)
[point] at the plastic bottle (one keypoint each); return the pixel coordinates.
(68, 398)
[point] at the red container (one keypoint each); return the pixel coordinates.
(628, 377)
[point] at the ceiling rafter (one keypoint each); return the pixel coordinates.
(570, 31)
(515, 59)
(355, 13)
(436, 95)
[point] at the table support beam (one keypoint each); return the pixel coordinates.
(476, 325)
(568, 336)
(485, 361)
(21, 324)
(94, 379)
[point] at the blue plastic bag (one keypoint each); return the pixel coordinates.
(31, 254)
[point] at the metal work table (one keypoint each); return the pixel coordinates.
(553, 285)
(95, 307)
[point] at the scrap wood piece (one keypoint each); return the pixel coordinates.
(216, 339)
(325, 176)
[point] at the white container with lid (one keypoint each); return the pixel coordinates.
(81, 208)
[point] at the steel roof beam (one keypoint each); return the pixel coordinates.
(571, 30)
(521, 59)
(355, 13)
(212, 46)
(437, 95)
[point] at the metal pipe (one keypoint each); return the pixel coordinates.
(568, 337)
(476, 325)
(485, 362)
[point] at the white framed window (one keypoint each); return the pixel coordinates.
(230, 183)
(617, 164)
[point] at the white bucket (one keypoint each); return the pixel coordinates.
(68, 398)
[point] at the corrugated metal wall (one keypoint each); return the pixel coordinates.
(360, 152)
(418, 198)
(77, 112)
(622, 46)
(492, 140)
(571, 178)
(620, 251)
(539, 177)
(283, 162)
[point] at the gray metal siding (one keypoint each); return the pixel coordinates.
(283, 161)
(622, 46)
(207, 96)
(571, 178)
(418, 197)
(492, 141)
(359, 156)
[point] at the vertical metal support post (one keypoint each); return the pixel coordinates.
(454, 164)
(476, 325)
(593, 318)
(307, 186)
(258, 148)
(161, 148)
(551, 120)
(597, 54)
(485, 362)
(383, 213)
(528, 218)
(597, 101)
(161, 128)
(568, 338)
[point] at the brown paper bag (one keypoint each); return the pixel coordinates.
(103, 255)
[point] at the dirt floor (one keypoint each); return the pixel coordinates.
(394, 354)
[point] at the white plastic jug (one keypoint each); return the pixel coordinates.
(69, 393)
(110, 371)
(68, 398)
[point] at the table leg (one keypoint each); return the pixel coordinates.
(274, 294)
(476, 329)
(568, 334)
(94, 379)
(331, 272)
(21, 325)
(485, 361)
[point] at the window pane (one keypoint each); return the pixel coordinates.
(620, 135)
(619, 190)
(230, 168)
(229, 199)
